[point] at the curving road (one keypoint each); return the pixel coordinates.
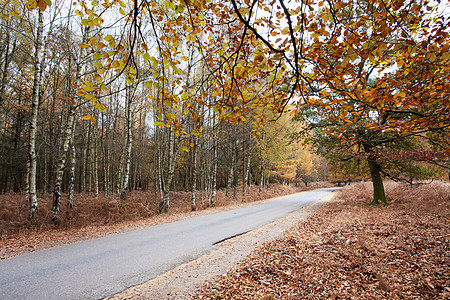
(104, 266)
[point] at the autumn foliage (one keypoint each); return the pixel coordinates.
(371, 77)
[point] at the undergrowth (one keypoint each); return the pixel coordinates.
(107, 210)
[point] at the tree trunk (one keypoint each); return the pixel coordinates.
(95, 158)
(62, 162)
(73, 161)
(379, 196)
(194, 174)
(232, 170)
(261, 179)
(164, 206)
(128, 140)
(247, 172)
(212, 201)
(32, 156)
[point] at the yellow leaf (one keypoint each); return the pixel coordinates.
(93, 41)
(185, 58)
(432, 57)
(32, 4)
(84, 45)
(87, 117)
(100, 45)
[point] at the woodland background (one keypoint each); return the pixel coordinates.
(103, 98)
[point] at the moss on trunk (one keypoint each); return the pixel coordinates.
(379, 196)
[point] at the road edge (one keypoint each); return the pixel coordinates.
(184, 280)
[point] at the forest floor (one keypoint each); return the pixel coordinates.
(349, 250)
(105, 215)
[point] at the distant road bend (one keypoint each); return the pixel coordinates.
(104, 266)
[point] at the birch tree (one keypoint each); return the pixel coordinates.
(130, 91)
(73, 102)
(32, 156)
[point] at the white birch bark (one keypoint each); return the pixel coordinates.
(32, 156)
(247, 172)
(164, 206)
(232, 170)
(62, 161)
(194, 174)
(71, 189)
(128, 143)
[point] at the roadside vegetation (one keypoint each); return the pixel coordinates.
(95, 217)
(349, 250)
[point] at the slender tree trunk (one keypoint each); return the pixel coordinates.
(194, 174)
(247, 172)
(95, 158)
(379, 196)
(84, 159)
(33, 119)
(5, 68)
(232, 170)
(121, 162)
(87, 160)
(71, 189)
(261, 178)
(128, 143)
(263, 168)
(164, 206)
(62, 162)
(212, 201)
(106, 158)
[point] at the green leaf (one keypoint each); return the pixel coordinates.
(129, 80)
(185, 95)
(146, 56)
(97, 55)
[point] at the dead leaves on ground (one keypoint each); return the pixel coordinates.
(348, 250)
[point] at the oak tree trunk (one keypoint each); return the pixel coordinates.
(379, 196)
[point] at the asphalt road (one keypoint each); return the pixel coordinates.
(101, 267)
